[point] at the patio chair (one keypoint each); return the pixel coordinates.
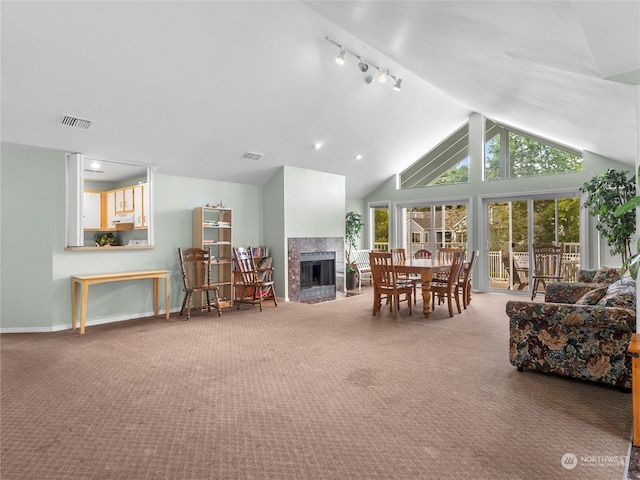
(361, 262)
(518, 274)
(547, 265)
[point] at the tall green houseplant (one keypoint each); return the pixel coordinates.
(352, 227)
(606, 193)
(633, 262)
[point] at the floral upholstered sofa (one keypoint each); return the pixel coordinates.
(581, 330)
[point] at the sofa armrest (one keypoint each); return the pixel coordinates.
(567, 292)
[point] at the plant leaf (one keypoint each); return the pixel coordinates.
(630, 205)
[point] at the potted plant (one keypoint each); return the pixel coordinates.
(608, 192)
(105, 239)
(633, 262)
(353, 227)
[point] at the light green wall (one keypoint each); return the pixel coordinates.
(274, 230)
(31, 230)
(33, 255)
(34, 258)
(314, 203)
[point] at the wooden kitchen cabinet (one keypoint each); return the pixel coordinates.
(141, 205)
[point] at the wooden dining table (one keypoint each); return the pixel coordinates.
(425, 267)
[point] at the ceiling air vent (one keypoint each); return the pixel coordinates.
(252, 156)
(74, 122)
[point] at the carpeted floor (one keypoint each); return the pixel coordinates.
(299, 391)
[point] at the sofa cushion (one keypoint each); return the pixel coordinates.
(620, 294)
(606, 275)
(592, 297)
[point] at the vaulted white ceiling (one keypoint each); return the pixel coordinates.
(191, 86)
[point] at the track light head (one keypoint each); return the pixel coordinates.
(340, 57)
(363, 66)
(382, 77)
(398, 85)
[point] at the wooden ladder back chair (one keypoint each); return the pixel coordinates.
(195, 265)
(449, 289)
(464, 283)
(385, 283)
(547, 265)
(446, 255)
(252, 285)
(361, 261)
(400, 255)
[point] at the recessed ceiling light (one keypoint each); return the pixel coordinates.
(95, 164)
(358, 156)
(317, 145)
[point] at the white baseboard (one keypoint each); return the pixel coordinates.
(89, 323)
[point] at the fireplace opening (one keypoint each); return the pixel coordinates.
(317, 275)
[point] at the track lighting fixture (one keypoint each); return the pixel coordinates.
(398, 85)
(364, 64)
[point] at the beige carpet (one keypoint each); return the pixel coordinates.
(300, 392)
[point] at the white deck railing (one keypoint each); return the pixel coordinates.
(498, 272)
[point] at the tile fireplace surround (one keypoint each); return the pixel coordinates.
(312, 245)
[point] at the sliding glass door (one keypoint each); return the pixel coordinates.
(514, 225)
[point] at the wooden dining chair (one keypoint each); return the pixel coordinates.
(400, 254)
(422, 253)
(446, 255)
(448, 288)
(252, 284)
(386, 283)
(195, 265)
(547, 265)
(464, 279)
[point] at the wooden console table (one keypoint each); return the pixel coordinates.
(85, 280)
